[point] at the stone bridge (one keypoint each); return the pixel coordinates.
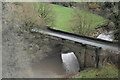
(88, 55)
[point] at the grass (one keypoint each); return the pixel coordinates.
(108, 71)
(65, 14)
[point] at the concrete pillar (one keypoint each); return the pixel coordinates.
(97, 59)
(80, 54)
(90, 56)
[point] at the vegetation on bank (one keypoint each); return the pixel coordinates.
(69, 19)
(108, 71)
(76, 21)
(46, 12)
(25, 14)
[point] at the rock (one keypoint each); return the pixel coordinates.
(108, 56)
(111, 25)
(65, 49)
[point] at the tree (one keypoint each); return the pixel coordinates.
(26, 14)
(110, 10)
(80, 25)
(31, 17)
(46, 12)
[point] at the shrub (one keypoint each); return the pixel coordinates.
(45, 12)
(80, 25)
(26, 14)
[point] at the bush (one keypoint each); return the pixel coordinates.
(80, 25)
(31, 17)
(26, 15)
(107, 71)
(45, 12)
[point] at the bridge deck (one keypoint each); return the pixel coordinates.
(83, 40)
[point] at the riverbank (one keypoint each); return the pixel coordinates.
(107, 71)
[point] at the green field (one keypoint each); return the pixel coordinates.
(65, 14)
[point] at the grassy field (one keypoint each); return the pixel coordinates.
(65, 14)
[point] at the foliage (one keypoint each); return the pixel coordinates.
(65, 18)
(81, 5)
(80, 25)
(65, 4)
(94, 6)
(84, 22)
(31, 16)
(107, 71)
(25, 14)
(17, 3)
(110, 11)
(45, 11)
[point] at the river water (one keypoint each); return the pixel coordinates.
(108, 36)
(56, 66)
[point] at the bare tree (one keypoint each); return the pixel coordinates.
(26, 14)
(46, 12)
(80, 25)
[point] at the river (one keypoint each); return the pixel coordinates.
(56, 66)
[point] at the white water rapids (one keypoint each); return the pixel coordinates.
(70, 62)
(56, 66)
(105, 37)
